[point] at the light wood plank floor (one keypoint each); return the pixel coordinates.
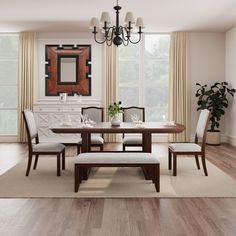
(105, 217)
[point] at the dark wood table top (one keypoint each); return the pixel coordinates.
(125, 127)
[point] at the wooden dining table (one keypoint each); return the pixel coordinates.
(146, 129)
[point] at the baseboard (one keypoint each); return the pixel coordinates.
(231, 140)
(8, 138)
(223, 138)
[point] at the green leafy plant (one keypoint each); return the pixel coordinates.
(115, 109)
(215, 99)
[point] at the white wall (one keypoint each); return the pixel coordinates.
(207, 65)
(71, 38)
(230, 74)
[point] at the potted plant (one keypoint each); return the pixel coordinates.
(215, 99)
(113, 111)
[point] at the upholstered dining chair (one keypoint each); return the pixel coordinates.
(95, 114)
(131, 140)
(36, 148)
(194, 149)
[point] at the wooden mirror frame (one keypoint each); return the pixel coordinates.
(53, 85)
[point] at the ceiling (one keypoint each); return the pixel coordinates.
(158, 15)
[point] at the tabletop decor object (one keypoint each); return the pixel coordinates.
(114, 111)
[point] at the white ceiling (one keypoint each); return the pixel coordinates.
(159, 15)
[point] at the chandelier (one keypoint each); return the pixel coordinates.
(116, 34)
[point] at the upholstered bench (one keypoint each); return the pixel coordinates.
(147, 161)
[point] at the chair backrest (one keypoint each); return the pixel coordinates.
(129, 111)
(93, 113)
(202, 123)
(30, 123)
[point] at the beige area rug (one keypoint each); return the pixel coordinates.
(116, 182)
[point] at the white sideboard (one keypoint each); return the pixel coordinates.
(49, 114)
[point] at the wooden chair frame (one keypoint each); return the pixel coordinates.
(143, 119)
(31, 152)
(195, 153)
(83, 109)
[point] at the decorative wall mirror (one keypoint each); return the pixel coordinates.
(68, 69)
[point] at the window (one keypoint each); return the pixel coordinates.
(143, 75)
(8, 83)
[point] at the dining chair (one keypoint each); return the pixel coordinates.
(131, 140)
(195, 148)
(95, 114)
(36, 148)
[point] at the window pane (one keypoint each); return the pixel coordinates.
(8, 97)
(156, 70)
(8, 124)
(157, 46)
(8, 46)
(129, 52)
(128, 71)
(129, 96)
(156, 100)
(8, 72)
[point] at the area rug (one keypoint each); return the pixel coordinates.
(116, 182)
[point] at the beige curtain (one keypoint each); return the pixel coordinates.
(27, 77)
(178, 84)
(110, 83)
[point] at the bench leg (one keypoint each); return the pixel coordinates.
(59, 164)
(169, 159)
(77, 177)
(156, 172)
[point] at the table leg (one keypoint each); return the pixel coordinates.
(86, 141)
(147, 147)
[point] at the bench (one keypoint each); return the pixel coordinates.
(148, 161)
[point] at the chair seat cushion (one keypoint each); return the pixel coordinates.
(185, 147)
(97, 140)
(116, 158)
(48, 147)
(132, 140)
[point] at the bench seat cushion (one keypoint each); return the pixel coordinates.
(116, 158)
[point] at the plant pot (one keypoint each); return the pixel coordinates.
(213, 138)
(115, 120)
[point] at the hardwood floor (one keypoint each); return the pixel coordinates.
(105, 217)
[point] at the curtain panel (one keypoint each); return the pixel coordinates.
(179, 84)
(27, 72)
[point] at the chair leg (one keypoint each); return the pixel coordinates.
(63, 160)
(58, 164)
(204, 165)
(174, 164)
(197, 161)
(29, 164)
(36, 161)
(169, 159)
(77, 178)
(123, 148)
(78, 149)
(101, 148)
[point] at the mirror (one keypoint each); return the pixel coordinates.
(68, 70)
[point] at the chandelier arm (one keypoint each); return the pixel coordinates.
(101, 42)
(110, 41)
(125, 38)
(136, 42)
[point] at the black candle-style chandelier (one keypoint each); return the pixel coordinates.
(117, 34)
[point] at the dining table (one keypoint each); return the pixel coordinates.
(146, 129)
